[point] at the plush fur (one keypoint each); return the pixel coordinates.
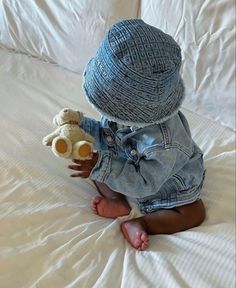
(69, 140)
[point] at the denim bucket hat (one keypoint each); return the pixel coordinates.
(134, 77)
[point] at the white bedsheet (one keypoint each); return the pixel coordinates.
(69, 32)
(61, 31)
(205, 31)
(48, 235)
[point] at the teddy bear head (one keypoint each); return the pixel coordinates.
(68, 115)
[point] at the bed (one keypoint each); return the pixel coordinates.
(49, 236)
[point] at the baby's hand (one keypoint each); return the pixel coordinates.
(84, 166)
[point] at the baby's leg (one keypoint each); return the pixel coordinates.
(162, 222)
(111, 204)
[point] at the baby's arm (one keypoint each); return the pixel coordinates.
(137, 181)
(89, 138)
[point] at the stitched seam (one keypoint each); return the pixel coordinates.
(165, 133)
(105, 173)
(153, 149)
(181, 148)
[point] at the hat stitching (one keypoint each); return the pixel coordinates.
(166, 105)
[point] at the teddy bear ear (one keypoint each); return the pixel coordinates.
(81, 115)
(54, 121)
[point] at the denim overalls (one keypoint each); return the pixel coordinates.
(159, 165)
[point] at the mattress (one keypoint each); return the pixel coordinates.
(49, 236)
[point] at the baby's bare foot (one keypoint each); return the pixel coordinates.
(110, 208)
(135, 233)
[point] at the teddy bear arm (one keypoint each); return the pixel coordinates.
(89, 138)
(47, 140)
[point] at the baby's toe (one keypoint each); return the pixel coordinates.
(95, 201)
(144, 237)
(143, 242)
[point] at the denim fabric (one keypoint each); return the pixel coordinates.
(134, 77)
(159, 164)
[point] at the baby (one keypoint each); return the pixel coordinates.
(145, 149)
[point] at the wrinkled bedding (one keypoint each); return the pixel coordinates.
(68, 33)
(49, 236)
(64, 32)
(205, 31)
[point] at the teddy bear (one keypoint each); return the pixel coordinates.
(69, 140)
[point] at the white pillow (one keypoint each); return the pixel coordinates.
(205, 30)
(62, 31)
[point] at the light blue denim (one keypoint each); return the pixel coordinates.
(134, 77)
(159, 165)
